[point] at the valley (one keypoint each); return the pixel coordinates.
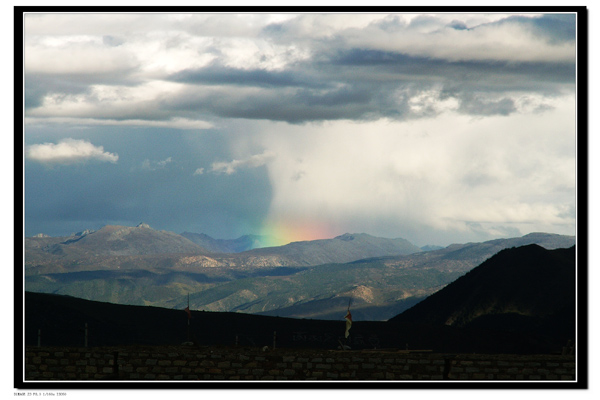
(379, 277)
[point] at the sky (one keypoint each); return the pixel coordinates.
(438, 128)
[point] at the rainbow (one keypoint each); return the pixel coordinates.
(284, 232)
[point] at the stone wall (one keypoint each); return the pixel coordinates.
(189, 363)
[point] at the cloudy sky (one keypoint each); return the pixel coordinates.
(439, 128)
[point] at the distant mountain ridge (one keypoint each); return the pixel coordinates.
(394, 283)
(92, 249)
(115, 246)
(243, 243)
(341, 249)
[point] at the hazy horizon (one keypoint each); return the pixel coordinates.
(279, 243)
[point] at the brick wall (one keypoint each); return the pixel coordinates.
(188, 363)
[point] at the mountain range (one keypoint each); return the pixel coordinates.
(314, 279)
(118, 247)
(341, 249)
(520, 301)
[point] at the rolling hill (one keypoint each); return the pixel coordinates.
(379, 288)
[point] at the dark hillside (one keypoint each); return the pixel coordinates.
(62, 319)
(522, 290)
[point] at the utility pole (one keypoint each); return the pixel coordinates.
(189, 317)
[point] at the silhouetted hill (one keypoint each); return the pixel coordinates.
(526, 289)
(62, 320)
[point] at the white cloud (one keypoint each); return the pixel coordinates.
(69, 151)
(164, 162)
(452, 173)
(77, 58)
(253, 161)
(154, 165)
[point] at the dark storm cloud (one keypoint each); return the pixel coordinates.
(470, 82)
(345, 96)
(221, 75)
(37, 86)
(476, 105)
(293, 105)
(404, 65)
(361, 84)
